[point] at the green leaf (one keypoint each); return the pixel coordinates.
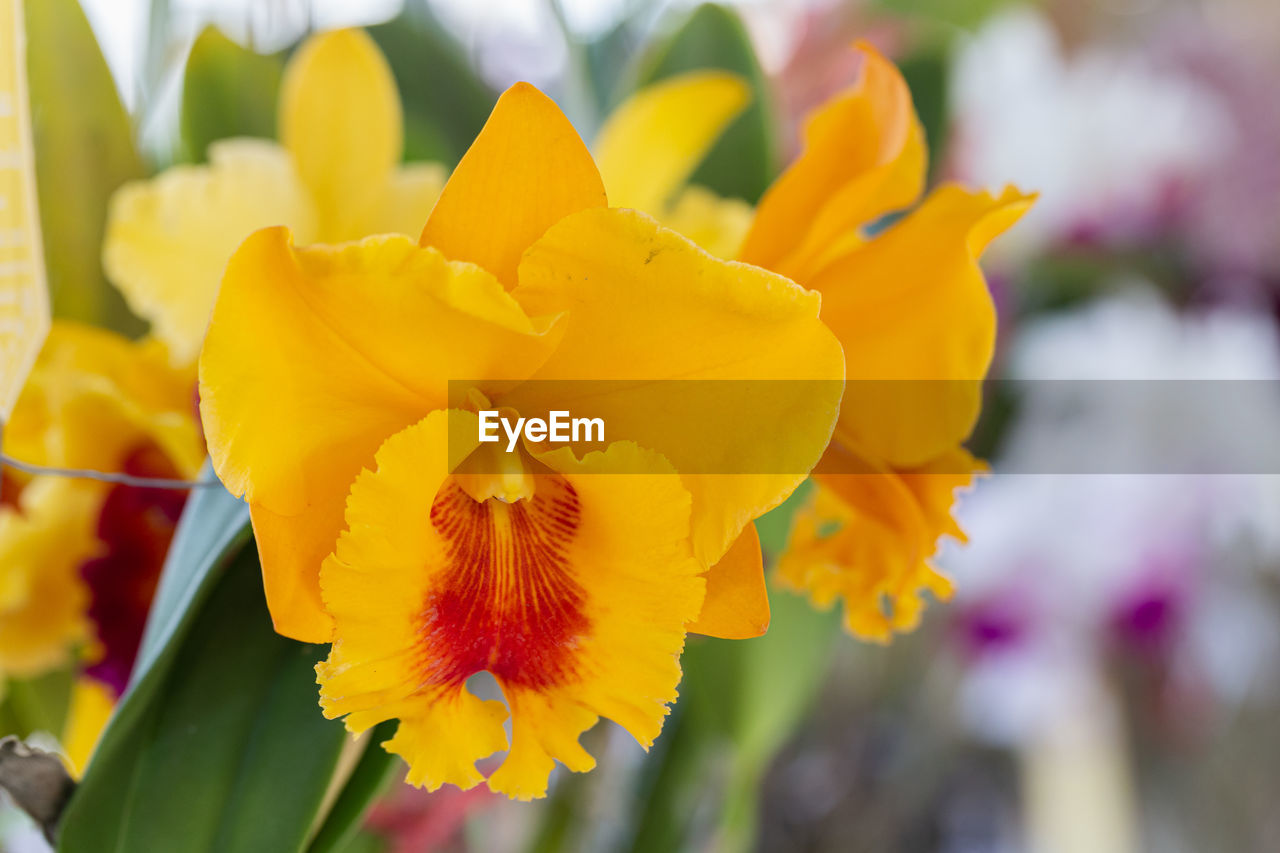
(219, 742)
(743, 162)
(213, 527)
(229, 752)
(926, 73)
(965, 14)
(373, 775)
(445, 102)
(228, 90)
(84, 150)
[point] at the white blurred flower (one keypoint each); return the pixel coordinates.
(1063, 568)
(1103, 135)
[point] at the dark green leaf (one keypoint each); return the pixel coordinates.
(213, 527)
(227, 751)
(376, 772)
(925, 71)
(84, 150)
(227, 91)
(743, 162)
(445, 102)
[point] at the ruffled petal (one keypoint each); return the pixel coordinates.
(654, 327)
(863, 157)
(918, 325)
(43, 541)
(655, 139)
(94, 397)
(293, 411)
(867, 538)
(341, 120)
(526, 170)
(575, 599)
(168, 239)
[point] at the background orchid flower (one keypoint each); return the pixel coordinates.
(909, 304)
(917, 323)
(335, 176)
(81, 558)
(572, 580)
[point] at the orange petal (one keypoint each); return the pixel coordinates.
(737, 602)
(340, 118)
(918, 326)
(527, 170)
(863, 157)
(877, 561)
(293, 411)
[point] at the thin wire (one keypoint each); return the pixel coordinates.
(105, 477)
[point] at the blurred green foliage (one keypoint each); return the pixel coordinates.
(445, 101)
(84, 149)
(743, 162)
(228, 90)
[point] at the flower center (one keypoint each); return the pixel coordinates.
(507, 601)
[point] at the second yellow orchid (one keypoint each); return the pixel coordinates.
(335, 176)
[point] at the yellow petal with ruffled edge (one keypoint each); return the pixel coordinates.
(340, 118)
(43, 541)
(575, 599)
(866, 539)
(293, 410)
(655, 139)
(863, 157)
(918, 325)
(168, 239)
(737, 602)
(723, 368)
(93, 397)
(526, 170)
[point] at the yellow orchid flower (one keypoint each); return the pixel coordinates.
(909, 305)
(93, 401)
(917, 323)
(335, 176)
(572, 579)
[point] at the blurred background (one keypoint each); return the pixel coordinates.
(1107, 677)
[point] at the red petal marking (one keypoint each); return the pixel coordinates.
(135, 526)
(507, 601)
(10, 489)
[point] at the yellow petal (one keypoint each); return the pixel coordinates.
(863, 157)
(718, 225)
(407, 200)
(527, 170)
(737, 602)
(912, 305)
(94, 397)
(293, 410)
(645, 304)
(877, 560)
(340, 118)
(91, 705)
(168, 239)
(43, 541)
(574, 599)
(655, 139)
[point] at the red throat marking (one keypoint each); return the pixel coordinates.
(507, 602)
